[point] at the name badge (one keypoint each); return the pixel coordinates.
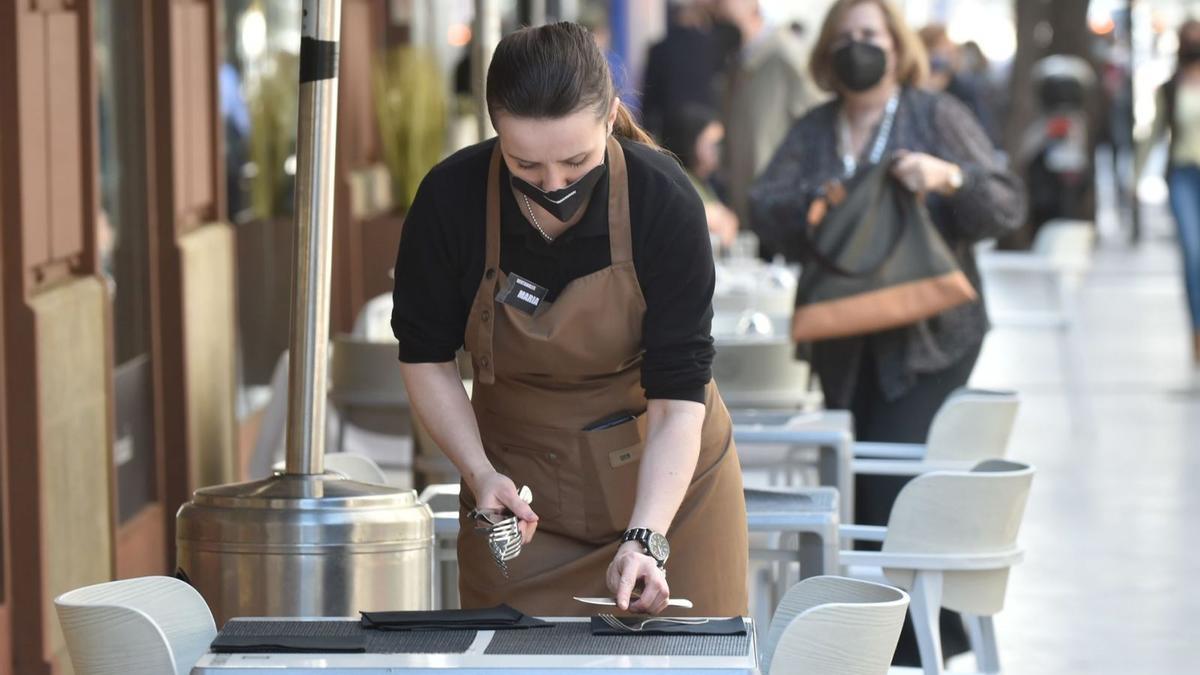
(521, 293)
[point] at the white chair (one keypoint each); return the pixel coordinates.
(834, 626)
(1057, 262)
(971, 425)
(145, 626)
(355, 467)
(366, 388)
(950, 541)
(374, 321)
(789, 443)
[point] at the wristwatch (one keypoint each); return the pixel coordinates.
(655, 544)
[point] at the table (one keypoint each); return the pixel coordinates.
(774, 516)
(809, 513)
(484, 652)
(830, 431)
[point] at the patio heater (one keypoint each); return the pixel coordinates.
(305, 542)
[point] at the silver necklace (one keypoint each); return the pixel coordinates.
(529, 207)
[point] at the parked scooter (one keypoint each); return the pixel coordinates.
(1055, 153)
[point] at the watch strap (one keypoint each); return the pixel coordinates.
(642, 536)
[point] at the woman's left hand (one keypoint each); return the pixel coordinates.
(631, 565)
(920, 172)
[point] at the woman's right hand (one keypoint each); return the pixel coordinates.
(494, 490)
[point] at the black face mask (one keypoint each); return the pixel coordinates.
(563, 204)
(859, 65)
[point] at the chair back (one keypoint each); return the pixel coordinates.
(355, 467)
(1067, 244)
(972, 425)
(365, 372)
(143, 626)
(962, 513)
(832, 625)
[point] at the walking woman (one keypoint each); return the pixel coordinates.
(572, 259)
(895, 380)
(1179, 114)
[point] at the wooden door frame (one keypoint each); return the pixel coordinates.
(166, 224)
(5, 576)
(141, 542)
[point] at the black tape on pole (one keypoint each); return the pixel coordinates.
(318, 60)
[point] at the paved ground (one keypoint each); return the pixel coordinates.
(1113, 523)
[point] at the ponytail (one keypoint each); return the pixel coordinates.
(627, 127)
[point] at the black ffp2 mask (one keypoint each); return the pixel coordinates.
(859, 65)
(564, 203)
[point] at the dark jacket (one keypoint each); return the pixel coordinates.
(990, 203)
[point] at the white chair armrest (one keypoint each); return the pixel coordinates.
(439, 490)
(906, 467)
(889, 450)
(863, 532)
(932, 561)
(779, 435)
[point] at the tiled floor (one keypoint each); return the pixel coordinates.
(1112, 530)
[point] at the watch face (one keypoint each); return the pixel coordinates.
(660, 550)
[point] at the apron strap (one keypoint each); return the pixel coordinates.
(620, 240)
(482, 319)
(482, 309)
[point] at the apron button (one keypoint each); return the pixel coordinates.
(490, 274)
(486, 315)
(484, 361)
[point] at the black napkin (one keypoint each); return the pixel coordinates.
(289, 644)
(732, 626)
(500, 617)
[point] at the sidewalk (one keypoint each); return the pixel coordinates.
(1109, 584)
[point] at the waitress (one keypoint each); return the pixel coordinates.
(571, 257)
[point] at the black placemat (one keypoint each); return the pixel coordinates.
(731, 626)
(500, 617)
(378, 642)
(575, 637)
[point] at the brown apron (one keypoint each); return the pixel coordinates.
(539, 381)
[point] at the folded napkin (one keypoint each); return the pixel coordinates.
(289, 644)
(501, 617)
(731, 626)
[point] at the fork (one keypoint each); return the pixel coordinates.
(504, 535)
(616, 624)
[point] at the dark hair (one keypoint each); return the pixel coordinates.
(553, 71)
(682, 127)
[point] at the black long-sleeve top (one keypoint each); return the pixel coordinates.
(990, 203)
(441, 261)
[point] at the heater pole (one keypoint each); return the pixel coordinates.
(312, 252)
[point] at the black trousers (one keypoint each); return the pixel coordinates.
(903, 420)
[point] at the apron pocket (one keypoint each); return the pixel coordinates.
(539, 469)
(614, 455)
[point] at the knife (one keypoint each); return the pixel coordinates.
(612, 602)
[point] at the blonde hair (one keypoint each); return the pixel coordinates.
(912, 63)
